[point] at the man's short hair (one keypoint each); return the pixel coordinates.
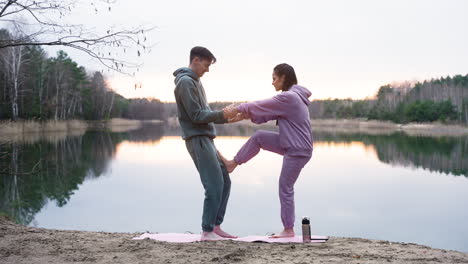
(202, 53)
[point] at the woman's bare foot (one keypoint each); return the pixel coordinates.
(221, 233)
(287, 232)
(230, 164)
(211, 236)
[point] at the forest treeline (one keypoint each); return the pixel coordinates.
(38, 87)
(444, 99)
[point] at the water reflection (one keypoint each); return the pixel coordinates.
(447, 155)
(36, 172)
(87, 181)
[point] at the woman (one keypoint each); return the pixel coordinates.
(294, 140)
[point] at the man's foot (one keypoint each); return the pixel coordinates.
(287, 232)
(211, 236)
(221, 233)
(230, 164)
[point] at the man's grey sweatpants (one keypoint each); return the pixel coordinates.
(214, 177)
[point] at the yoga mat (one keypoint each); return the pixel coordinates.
(296, 239)
(188, 238)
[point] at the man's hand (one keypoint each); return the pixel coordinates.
(230, 111)
(237, 118)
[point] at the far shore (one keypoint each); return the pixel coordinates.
(30, 130)
(387, 127)
(10, 130)
(23, 244)
(374, 127)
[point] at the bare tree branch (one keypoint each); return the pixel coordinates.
(6, 5)
(55, 33)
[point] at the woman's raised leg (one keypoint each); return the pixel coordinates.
(261, 139)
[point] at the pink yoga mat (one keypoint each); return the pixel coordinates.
(188, 238)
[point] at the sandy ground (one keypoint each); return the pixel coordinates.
(21, 244)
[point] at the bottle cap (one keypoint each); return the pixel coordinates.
(305, 220)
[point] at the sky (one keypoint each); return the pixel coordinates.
(339, 49)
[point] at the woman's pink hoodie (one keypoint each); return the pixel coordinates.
(291, 110)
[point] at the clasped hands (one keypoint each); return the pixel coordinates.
(232, 114)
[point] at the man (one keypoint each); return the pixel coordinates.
(196, 120)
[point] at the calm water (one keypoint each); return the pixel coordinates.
(392, 187)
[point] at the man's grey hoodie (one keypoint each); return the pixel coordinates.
(195, 115)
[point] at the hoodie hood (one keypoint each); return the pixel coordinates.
(303, 93)
(184, 71)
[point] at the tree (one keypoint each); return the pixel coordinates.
(12, 60)
(145, 109)
(99, 98)
(424, 111)
(464, 114)
(65, 81)
(45, 23)
(34, 83)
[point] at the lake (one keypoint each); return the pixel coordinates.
(391, 186)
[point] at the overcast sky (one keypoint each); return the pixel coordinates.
(339, 49)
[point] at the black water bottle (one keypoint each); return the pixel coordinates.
(306, 229)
